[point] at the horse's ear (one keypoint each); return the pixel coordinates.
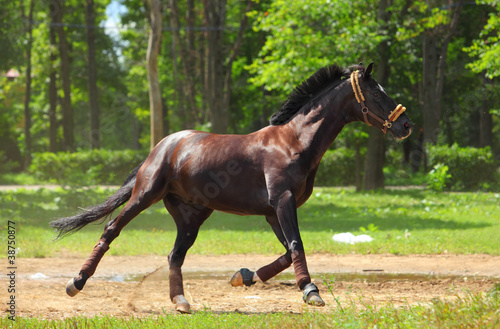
(368, 71)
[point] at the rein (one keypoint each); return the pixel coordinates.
(393, 116)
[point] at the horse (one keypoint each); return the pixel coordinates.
(269, 172)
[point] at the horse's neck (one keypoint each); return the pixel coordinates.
(317, 129)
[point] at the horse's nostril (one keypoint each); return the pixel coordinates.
(407, 125)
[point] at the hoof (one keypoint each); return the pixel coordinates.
(314, 299)
(311, 295)
(242, 277)
(71, 290)
(181, 304)
(236, 279)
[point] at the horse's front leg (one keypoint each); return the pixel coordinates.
(286, 211)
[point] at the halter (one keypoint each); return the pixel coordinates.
(393, 116)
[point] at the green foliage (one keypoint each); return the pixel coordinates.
(289, 41)
(11, 32)
(6, 164)
(470, 168)
(422, 18)
(370, 228)
(86, 168)
(337, 168)
(486, 49)
(306, 35)
(438, 177)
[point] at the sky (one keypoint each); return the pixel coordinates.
(112, 23)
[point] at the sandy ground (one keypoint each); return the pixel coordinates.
(122, 286)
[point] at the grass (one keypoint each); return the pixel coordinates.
(472, 311)
(401, 222)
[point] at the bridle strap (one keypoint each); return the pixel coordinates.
(360, 98)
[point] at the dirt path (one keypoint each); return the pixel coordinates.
(372, 279)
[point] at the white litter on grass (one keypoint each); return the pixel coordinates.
(38, 276)
(351, 238)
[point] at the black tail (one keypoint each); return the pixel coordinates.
(68, 225)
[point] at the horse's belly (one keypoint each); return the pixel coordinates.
(249, 202)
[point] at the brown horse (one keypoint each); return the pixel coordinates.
(269, 172)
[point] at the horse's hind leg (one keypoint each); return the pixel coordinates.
(247, 277)
(141, 198)
(188, 219)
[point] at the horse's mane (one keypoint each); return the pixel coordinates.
(328, 76)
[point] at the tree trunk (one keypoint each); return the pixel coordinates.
(217, 80)
(435, 49)
(27, 97)
(375, 150)
(95, 133)
(179, 97)
(67, 111)
(215, 16)
(188, 64)
(357, 161)
(191, 48)
(430, 60)
(152, 63)
(485, 118)
(374, 161)
(232, 56)
(52, 82)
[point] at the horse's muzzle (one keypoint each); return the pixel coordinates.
(401, 131)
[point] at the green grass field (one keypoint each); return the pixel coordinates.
(401, 222)
(473, 311)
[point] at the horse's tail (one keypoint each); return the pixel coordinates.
(68, 225)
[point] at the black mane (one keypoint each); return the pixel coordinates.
(327, 76)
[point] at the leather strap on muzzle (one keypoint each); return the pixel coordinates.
(360, 98)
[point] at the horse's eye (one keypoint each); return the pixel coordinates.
(376, 94)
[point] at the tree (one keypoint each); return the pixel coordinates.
(152, 63)
(95, 134)
(303, 36)
(375, 150)
(12, 28)
(52, 80)
(486, 53)
(27, 97)
(67, 110)
(232, 56)
(187, 89)
(215, 16)
(217, 72)
(436, 39)
(486, 49)
(485, 117)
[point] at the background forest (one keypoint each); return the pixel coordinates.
(80, 81)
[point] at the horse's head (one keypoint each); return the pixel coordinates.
(376, 108)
